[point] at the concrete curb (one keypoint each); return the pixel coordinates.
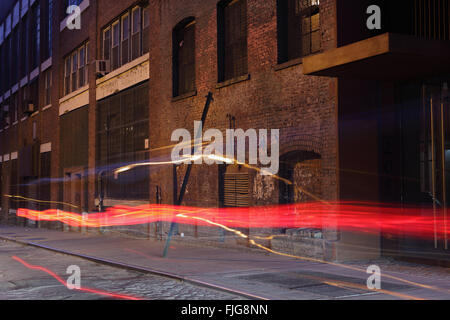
(138, 268)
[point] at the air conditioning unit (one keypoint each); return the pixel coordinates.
(29, 108)
(102, 68)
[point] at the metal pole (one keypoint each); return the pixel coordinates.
(433, 169)
(173, 225)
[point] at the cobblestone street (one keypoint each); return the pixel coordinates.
(17, 282)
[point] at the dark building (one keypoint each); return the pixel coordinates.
(352, 105)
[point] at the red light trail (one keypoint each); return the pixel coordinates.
(347, 216)
(58, 278)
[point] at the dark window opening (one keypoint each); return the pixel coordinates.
(184, 57)
(232, 39)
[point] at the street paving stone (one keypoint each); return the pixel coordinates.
(17, 282)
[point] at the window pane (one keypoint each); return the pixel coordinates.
(125, 27)
(106, 44)
(115, 35)
(136, 20)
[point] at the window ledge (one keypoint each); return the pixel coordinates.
(75, 93)
(288, 64)
(232, 81)
(185, 96)
(46, 107)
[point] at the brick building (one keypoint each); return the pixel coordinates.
(79, 103)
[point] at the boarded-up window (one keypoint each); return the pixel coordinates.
(298, 28)
(235, 191)
(232, 33)
(184, 57)
(74, 138)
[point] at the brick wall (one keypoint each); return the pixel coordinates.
(302, 107)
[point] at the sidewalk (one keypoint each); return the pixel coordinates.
(253, 274)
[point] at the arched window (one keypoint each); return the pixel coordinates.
(184, 57)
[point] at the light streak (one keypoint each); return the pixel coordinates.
(357, 217)
(39, 201)
(58, 278)
(362, 217)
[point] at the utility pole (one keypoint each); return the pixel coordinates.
(173, 225)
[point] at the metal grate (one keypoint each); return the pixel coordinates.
(236, 190)
(431, 19)
(122, 132)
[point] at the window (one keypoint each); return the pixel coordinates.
(24, 47)
(232, 33)
(136, 33)
(126, 38)
(14, 108)
(67, 76)
(106, 44)
(47, 31)
(7, 63)
(48, 88)
(298, 29)
(15, 56)
(33, 94)
(145, 30)
(115, 45)
(76, 69)
(35, 35)
(68, 3)
(82, 71)
(184, 57)
(25, 100)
